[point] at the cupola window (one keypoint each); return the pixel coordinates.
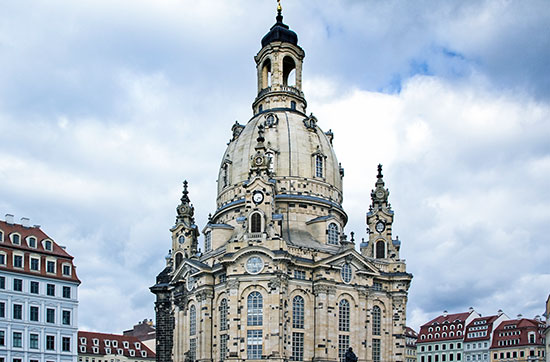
(225, 175)
(266, 74)
(289, 71)
(332, 233)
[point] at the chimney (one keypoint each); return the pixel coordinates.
(500, 312)
(471, 309)
(537, 318)
(9, 219)
(25, 221)
(520, 316)
(444, 313)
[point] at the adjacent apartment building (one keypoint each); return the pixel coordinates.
(440, 340)
(478, 337)
(38, 296)
(104, 347)
(519, 340)
(410, 344)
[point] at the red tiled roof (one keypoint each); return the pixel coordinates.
(518, 329)
(57, 251)
(488, 322)
(120, 339)
(445, 327)
(409, 332)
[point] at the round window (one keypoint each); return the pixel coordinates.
(346, 273)
(254, 265)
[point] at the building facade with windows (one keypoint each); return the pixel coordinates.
(441, 339)
(38, 296)
(104, 347)
(547, 330)
(410, 344)
(519, 340)
(478, 337)
(277, 278)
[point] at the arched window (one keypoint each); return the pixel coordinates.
(179, 259)
(333, 233)
(318, 166)
(380, 249)
(266, 74)
(224, 325)
(270, 161)
(192, 320)
(346, 273)
(451, 334)
(376, 318)
(343, 316)
(208, 240)
(254, 309)
(256, 223)
(459, 333)
(298, 312)
(289, 73)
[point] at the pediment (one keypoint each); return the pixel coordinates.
(190, 267)
(353, 257)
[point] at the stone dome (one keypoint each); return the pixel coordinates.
(302, 157)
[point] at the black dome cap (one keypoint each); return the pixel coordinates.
(280, 32)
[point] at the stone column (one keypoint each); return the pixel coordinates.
(204, 325)
(362, 336)
(234, 345)
(321, 320)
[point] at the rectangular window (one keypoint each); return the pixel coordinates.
(18, 285)
(451, 357)
(299, 274)
(17, 261)
(515, 354)
(2, 310)
(297, 346)
(50, 343)
(522, 353)
(66, 270)
(50, 315)
(17, 339)
(192, 349)
(254, 344)
(33, 341)
(2, 338)
(33, 313)
(17, 311)
(377, 286)
(2, 282)
(67, 318)
(66, 292)
(458, 356)
(436, 358)
(376, 350)
(34, 288)
(2, 259)
(223, 346)
(50, 266)
(50, 290)
(66, 344)
(35, 264)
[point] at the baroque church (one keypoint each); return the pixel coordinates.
(277, 278)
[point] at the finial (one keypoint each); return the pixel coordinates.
(279, 12)
(185, 197)
(352, 236)
(379, 171)
(260, 138)
(209, 217)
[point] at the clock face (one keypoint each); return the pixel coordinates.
(254, 265)
(257, 197)
(259, 160)
(380, 226)
(380, 194)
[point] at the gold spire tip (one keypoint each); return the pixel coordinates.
(279, 8)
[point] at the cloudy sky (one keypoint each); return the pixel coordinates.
(106, 107)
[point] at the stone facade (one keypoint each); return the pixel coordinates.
(278, 278)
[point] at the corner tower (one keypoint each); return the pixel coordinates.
(277, 277)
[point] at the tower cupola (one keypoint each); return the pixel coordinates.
(279, 66)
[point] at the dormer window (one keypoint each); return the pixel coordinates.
(126, 344)
(120, 351)
(95, 341)
(16, 239)
(82, 340)
(319, 166)
(143, 354)
(115, 344)
(32, 242)
(1, 236)
(95, 350)
(66, 270)
(107, 343)
(48, 245)
(107, 350)
(132, 352)
(137, 345)
(333, 233)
